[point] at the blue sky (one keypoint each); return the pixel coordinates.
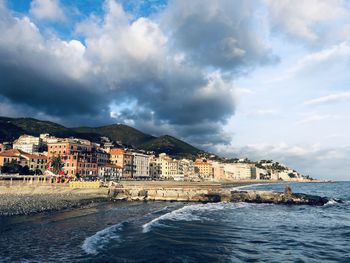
(259, 78)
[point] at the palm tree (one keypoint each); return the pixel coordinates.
(56, 164)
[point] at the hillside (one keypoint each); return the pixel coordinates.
(170, 145)
(117, 132)
(12, 128)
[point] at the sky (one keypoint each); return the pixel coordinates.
(262, 79)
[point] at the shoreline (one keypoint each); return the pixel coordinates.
(28, 199)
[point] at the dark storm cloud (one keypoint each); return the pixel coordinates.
(223, 33)
(32, 77)
(161, 79)
(52, 92)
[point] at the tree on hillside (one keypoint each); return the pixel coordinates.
(56, 164)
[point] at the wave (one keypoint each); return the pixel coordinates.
(333, 201)
(190, 213)
(96, 242)
(252, 185)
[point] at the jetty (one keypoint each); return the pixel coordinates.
(206, 192)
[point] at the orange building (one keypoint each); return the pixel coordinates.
(204, 169)
(35, 162)
(76, 155)
(117, 156)
(10, 156)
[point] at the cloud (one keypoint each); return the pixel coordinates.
(47, 10)
(126, 70)
(317, 117)
(305, 20)
(262, 113)
(332, 98)
(225, 33)
(319, 162)
(330, 59)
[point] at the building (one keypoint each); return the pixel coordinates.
(239, 171)
(135, 165)
(28, 144)
(9, 156)
(117, 156)
(173, 169)
(101, 157)
(77, 157)
(219, 171)
(186, 168)
(128, 165)
(163, 167)
(141, 165)
(110, 172)
(204, 169)
(36, 162)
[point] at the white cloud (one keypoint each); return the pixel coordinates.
(332, 98)
(317, 117)
(332, 58)
(47, 10)
(262, 112)
(304, 19)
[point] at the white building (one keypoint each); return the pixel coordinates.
(27, 143)
(238, 171)
(110, 172)
(141, 165)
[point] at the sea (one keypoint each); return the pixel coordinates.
(187, 232)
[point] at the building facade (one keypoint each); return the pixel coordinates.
(204, 169)
(141, 165)
(239, 171)
(28, 144)
(109, 172)
(77, 157)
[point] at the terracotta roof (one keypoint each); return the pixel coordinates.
(117, 151)
(201, 163)
(12, 153)
(20, 153)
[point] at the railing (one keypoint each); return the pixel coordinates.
(83, 184)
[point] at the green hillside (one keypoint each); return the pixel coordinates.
(170, 145)
(118, 132)
(12, 128)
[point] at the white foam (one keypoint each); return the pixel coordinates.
(335, 202)
(331, 202)
(251, 185)
(96, 242)
(194, 212)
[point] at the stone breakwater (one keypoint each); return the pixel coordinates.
(208, 193)
(24, 199)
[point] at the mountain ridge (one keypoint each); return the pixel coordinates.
(12, 128)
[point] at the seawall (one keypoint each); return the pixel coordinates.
(205, 192)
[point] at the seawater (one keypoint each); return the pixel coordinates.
(187, 232)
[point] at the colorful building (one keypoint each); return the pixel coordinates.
(77, 157)
(204, 169)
